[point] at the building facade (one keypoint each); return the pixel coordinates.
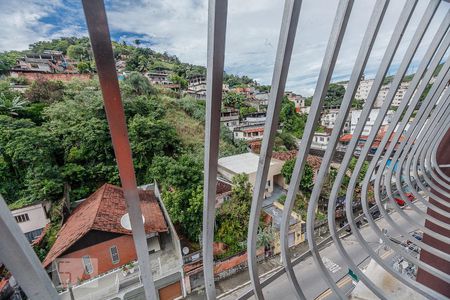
(32, 219)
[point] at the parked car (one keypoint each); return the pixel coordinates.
(401, 202)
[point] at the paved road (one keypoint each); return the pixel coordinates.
(309, 276)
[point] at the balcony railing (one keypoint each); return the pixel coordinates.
(420, 154)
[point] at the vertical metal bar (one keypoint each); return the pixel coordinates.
(217, 21)
(283, 57)
(97, 23)
(20, 259)
(360, 64)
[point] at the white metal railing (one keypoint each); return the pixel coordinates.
(415, 142)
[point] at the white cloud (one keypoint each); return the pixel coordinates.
(179, 27)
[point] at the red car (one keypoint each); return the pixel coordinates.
(401, 202)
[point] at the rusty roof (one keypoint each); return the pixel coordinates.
(103, 211)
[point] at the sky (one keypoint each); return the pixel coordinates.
(180, 27)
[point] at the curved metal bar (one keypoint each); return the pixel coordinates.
(385, 63)
(217, 20)
(20, 259)
(397, 160)
(390, 131)
(436, 89)
(423, 25)
(377, 196)
(338, 29)
(361, 60)
(285, 45)
(411, 105)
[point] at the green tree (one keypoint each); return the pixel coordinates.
(335, 94)
(11, 106)
(183, 173)
(45, 91)
(233, 216)
(292, 122)
(307, 181)
(233, 99)
(150, 138)
(137, 84)
(78, 52)
(246, 110)
(8, 60)
(84, 67)
(175, 78)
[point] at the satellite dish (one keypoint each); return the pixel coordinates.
(185, 250)
(125, 221)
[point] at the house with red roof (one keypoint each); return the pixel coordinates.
(96, 243)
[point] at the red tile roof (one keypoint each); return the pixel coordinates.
(345, 138)
(250, 130)
(102, 211)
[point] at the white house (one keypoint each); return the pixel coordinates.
(249, 133)
(32, 219)
(355, 115)
(247, 163)
(320, 140)
(329, 117)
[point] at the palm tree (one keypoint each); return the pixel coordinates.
(11, 106)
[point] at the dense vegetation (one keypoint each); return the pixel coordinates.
(55, 143)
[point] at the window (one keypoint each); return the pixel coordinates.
(32, 235)
(268, 182)
(87, 264)
(114, 254)
(22, 218)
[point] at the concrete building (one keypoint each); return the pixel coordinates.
(329, 117)
(159, 77)
(362, 92)
(32, 219)
(197, 83)
(230, 118)
(247, 163)
(297, 227)
(262, 98)
(255, 118)
(320, 140)
(249, 133)
(298, 100)
(400, 93)
(365, 85)
(355, 115)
